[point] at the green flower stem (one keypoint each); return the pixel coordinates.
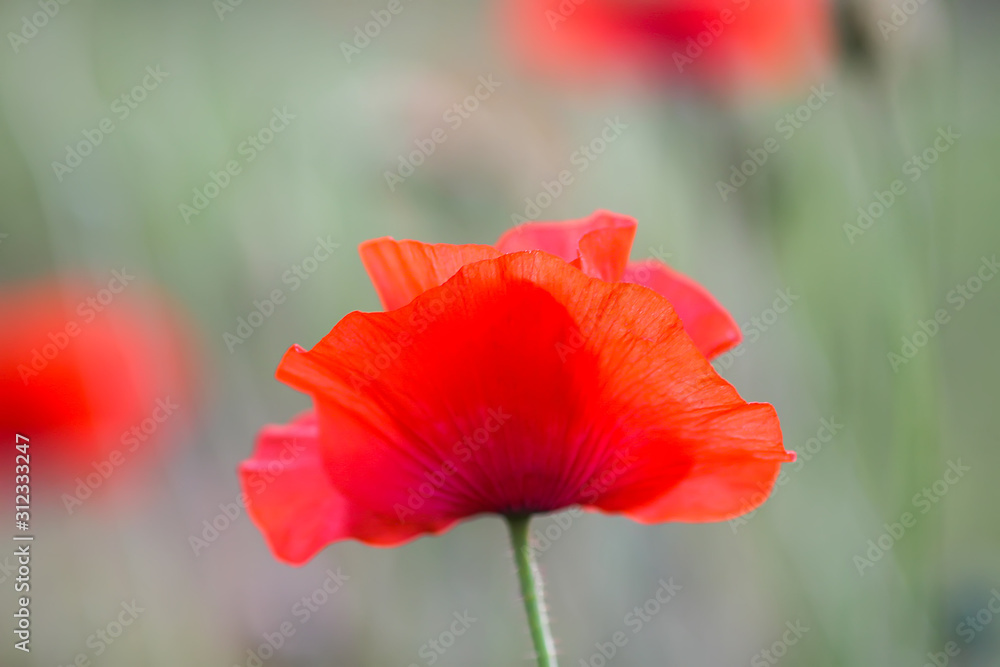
(531, 589)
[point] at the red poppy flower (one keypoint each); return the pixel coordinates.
(88, 375)
(510, 379)
(726, 43)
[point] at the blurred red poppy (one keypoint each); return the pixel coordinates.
(742, 45)
(89, 375)
(512, 380)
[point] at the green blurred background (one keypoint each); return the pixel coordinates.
(854, 296)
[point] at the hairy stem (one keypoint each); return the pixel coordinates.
(531, 589)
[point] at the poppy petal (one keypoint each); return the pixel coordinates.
(601, 242)
(711, 327)
(508, 388)
(730, 465)
(772, 46)
(79, 377)
(291, 499)
(420, 398)
(400, 270)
